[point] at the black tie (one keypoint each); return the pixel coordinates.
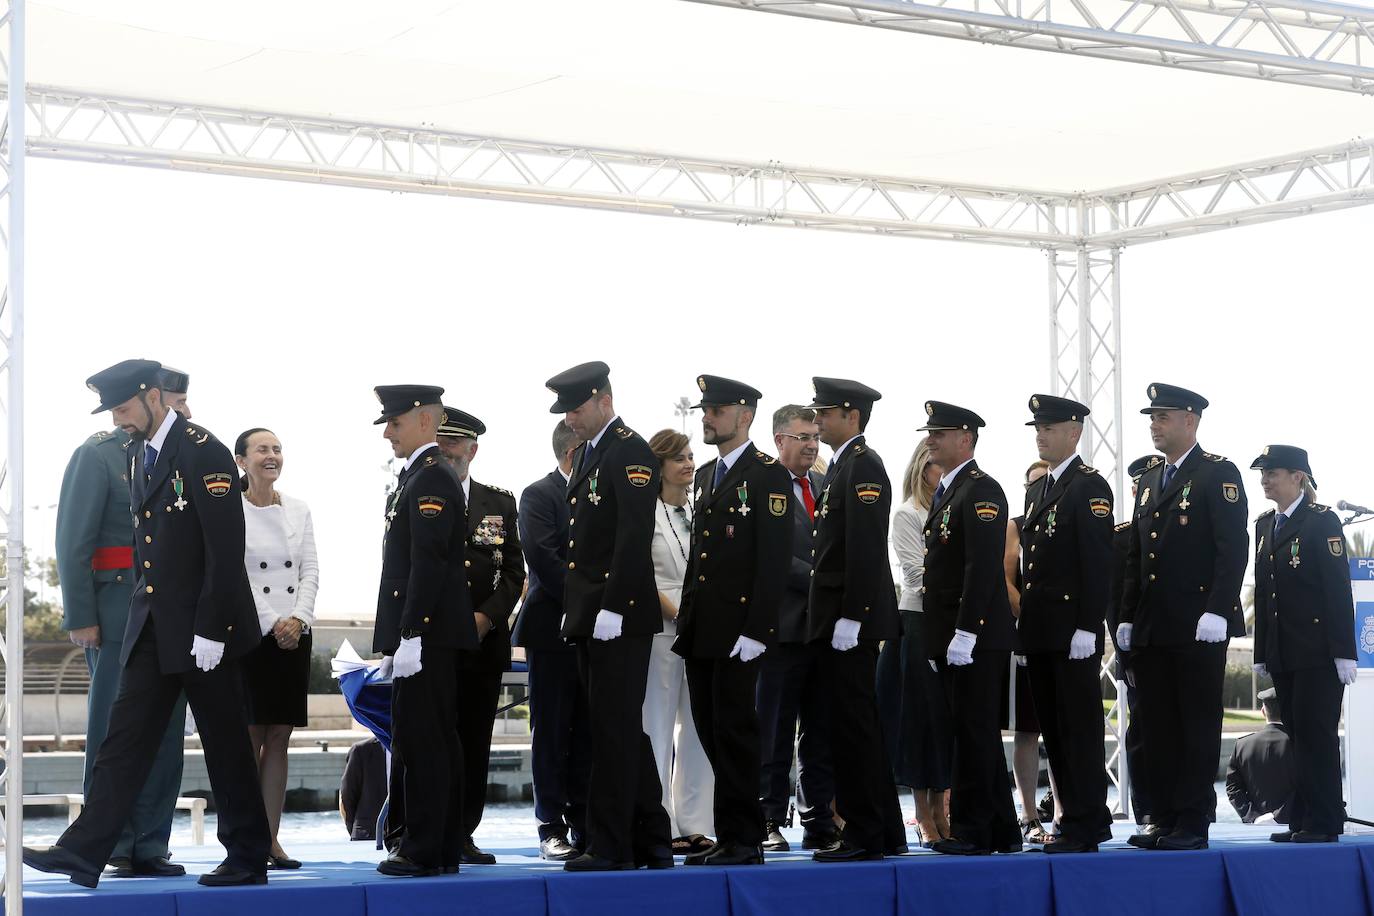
(1169, 471)
(1278, 523)
(586, 458)
(721, 469)
(1049, 485)
(939, 492)
(149, 459)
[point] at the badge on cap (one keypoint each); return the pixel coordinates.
(868, 493)
(638, 474)
(701, 382)
(1035, 402)
(986, 511)
(1100, 506)
(1153, 392)
(930, 409)
(430, 506)
(1230, 492)
(218, 485)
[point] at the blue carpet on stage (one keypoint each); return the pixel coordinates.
(1242, 874)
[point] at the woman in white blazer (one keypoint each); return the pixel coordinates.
(285, 575)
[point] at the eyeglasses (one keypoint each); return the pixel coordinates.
(802, 439)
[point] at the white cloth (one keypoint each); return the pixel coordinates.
(1211, 628)
(1260, 669)
(1058, 472)
(683, 770)
(747, 649)
(960, 651)
(1082, 644)
(1123, 636)
(839, 452)
(846, 635)
(279, 554)
(670, 561)
(466, 484)
(608, 625)
(909, 544)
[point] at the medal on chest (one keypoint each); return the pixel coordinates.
(496, 558)
(944, 526)
(1144, 496)
(1183, 503)
(825, 502)
(177, 487)
(742, 491)
(1050, 521)
(593, 497)
(1293, 559)
(391, 509)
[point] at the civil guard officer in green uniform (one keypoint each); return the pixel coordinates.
(95, 559)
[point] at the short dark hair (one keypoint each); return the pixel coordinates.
(973, 438)
(563, 439)
(241, 448)
(864, 414)
(784, 415)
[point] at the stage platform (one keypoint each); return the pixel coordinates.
(1241, 874)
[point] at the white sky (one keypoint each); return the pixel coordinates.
(288, 302)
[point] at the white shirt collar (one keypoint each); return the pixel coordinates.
(467, 489)
(160, 437)
(835, 455)
(730, 459)
(596, 440)
(945, 481)
(414, 456)
(1064, 466)
(1294, 507)
(566, 477)
(1181, 458)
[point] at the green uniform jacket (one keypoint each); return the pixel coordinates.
(93, 512)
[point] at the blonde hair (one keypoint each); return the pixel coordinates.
(914, 486)
(1039, 463)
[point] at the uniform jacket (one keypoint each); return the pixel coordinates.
(792, 608)
(424, 584)
(188, 549)
(741, 547)
(965, 586)
(1189, 551)
(93, 512)
(1303, 605)
(543, 524)
(610, 539)
(1066, 560)
(495, 566)
(1260, 777)
(852, 577)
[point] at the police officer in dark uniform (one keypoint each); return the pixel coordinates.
(425, 623)
(190, 619)
(1181, 603)
(495, 575)
(95, 562)
(852, 608)
(1303, 636)
(970, 631)
(1066, 546)
(736, 572)
(611, 612)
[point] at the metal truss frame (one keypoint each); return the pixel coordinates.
(1304, 42)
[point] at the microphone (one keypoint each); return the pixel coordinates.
(1351, 507)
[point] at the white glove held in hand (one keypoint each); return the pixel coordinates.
(208, 653)
(1345, 670)
(608, 624)
(1262, 670)
(384, 670)
(406, 661)
(747, 649)
(846, 635)
(1123, 636)
(960, 651)
(1211, 628)
(1082, 645)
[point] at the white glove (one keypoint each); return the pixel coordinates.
(1123, 636)
(747, 649)
(1211, 628)
(1345, 670)
(209, 653)
(407, 658)
(1262, 670)
(960, 651)
(1082, 645)
(384, 670)
(1020, 660)
(933, 667)
(608, 624)
(846, 635)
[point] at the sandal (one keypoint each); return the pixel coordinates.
(691, 845)
(1034, 833)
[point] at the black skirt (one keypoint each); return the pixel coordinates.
(276, 681)
(1023, 719)
(917, 728)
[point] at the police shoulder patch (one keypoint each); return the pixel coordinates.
(1336, 545)
(777, 504)
(430, 506)
(639, 475)
(987, 511)
(1230, 492)
(218, 484)
(1100, 506)
(868, 493)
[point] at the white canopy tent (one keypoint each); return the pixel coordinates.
(695, 109)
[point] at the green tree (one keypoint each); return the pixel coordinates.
(42, 617)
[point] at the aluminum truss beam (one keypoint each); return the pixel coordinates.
(12, 457)
(1326, 45)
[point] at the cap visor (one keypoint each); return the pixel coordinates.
(928, 428)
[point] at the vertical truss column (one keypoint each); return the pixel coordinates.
(1085, 347)
(12, 454)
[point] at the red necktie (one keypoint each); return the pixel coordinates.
(807, 497)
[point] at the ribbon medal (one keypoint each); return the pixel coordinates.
(743, 493)
(1294, 560)
(944, 526)
(1183, 503)
(1049, 521)
(825, 502)
(594, 497)
(177, 488)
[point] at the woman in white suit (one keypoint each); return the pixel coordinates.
(285, 575)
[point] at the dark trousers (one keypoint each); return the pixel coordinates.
(1068, 702)
(479, 684)
(864, 792)
(723, 694)
(1310, 705)
(138, 724)
(794, 711)
(1135, 757)
(150, 823)
(981, 811)
(427, 761)
(625, 814)
(1180, 714)
(560, 743)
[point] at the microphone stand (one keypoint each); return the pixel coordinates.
(1356, 518)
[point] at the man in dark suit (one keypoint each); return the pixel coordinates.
(852, 608)
(736, 570)
(1259, 775)
(495, 577)
(791, 691)
(190, 619)
(424, 623)
(1066, 546)
(560, 748)
(970, 631)
(611, 612)
(1180, 604)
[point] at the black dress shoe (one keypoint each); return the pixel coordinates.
(448, 869)
(655, 859)
(56, 860)
(283, 862)
(398, 866)
(589, 862)
(1010, 848)
(899, 849)
(818, 839)
(1148, 837)
(226, 875)
(158, 867)
(1062, 845)
(699, 858)
(557, 849)
(1283, 836)
(773, 840)
(1311, 836)
(1182, 839)
(471, 855)
(732, 853)
(843, 852)
(953, 846)
(1104, 835)
(118, 862)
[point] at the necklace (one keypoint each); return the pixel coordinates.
(682, 549)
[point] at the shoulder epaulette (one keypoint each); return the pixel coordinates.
(624, 432)
(126, 445)
(1318, 507)
(1210, 457)
(1087, 469)
(499, 490)
(975, 474)
(430, 461)
(197, 436)
(1266, 513)
(860, 449)
(1122, 527)
(101, 435)
(765, 458)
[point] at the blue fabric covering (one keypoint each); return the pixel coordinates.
(369, 702)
